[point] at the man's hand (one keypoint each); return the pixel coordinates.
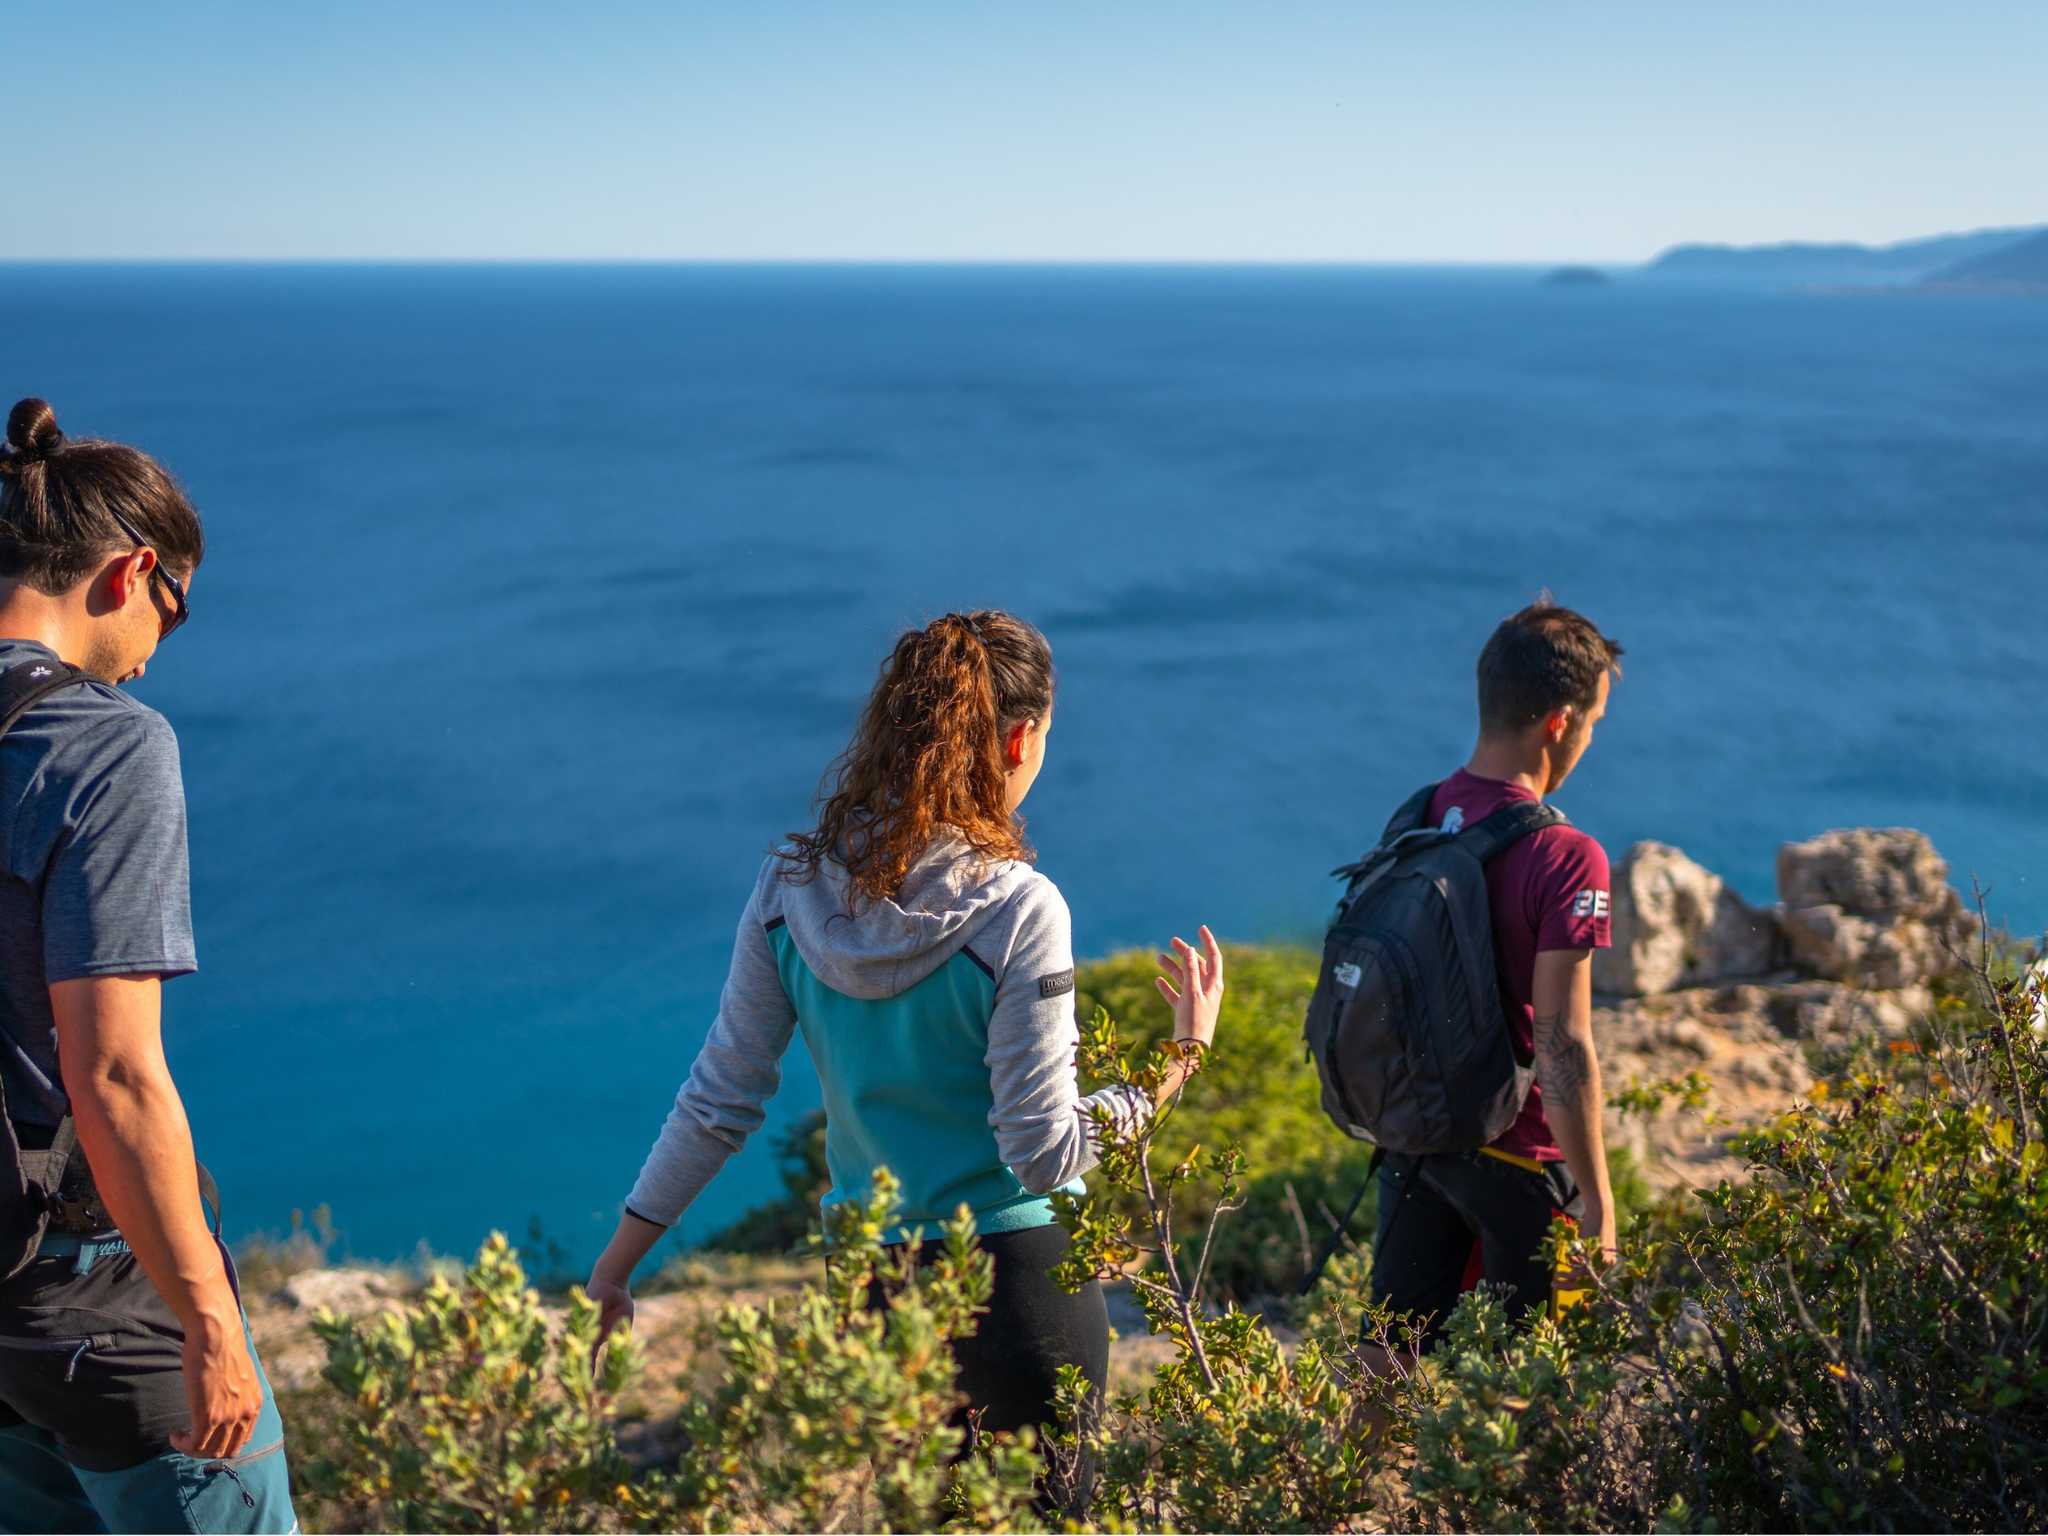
(222, 1389)
(1599, 1230)
(131, 1126)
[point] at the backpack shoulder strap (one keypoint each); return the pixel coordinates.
(26, 683)
(1414, 812)
(1491, 836)
(1411, 817)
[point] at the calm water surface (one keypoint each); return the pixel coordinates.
(538, 597)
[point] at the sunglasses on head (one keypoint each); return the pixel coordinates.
(181, 606)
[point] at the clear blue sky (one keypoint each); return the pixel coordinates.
(1465, 130)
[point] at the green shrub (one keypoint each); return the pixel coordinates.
(1235, 1433)
(1853, 1336)
(1259, 1093)
(1850, 1337)
(465, 1412)
(837, 1409)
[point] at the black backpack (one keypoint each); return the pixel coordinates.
(39, 1186)
(1406, 1025)
(30, 1182)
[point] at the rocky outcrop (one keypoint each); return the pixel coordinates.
(1827, 941)
(1872, 907)
(1677, 924)
(1698, 979)
(339, 1290)
(1871, 871)
(1755, 1042)
(1869, 907)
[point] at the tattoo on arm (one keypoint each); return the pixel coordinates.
(1564, 1063)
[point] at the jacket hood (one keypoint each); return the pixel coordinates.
(887, 947)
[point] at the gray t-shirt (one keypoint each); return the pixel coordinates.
(93, 872)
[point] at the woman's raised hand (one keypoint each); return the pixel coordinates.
(1193, 984)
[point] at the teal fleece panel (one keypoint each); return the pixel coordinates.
(906, 1087)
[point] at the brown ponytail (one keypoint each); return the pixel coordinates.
(57, 498)
(928, 755)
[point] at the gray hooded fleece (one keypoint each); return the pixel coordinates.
(942, 1026)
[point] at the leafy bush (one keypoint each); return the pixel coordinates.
(467, 1413)
(473, 1411)
(1853, 1336)
(839, 1411)
(1262, 1097)
(1234, 1434)
(1849, 1338)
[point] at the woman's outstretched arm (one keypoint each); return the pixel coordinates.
(719, 1107)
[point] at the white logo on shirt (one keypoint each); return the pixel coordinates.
(1590, 904)
(36, 672)
(1454, 818)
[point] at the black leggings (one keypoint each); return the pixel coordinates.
(1010, 1366)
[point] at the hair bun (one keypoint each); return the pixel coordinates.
(32, 430)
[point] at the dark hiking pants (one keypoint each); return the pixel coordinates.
(92, 1387)
(1435, 1211)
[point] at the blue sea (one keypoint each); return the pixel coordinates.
(539, 597)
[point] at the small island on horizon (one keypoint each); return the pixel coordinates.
(1577, 277)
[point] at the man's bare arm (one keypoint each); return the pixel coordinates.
(132, 1127)
(1569, 1070)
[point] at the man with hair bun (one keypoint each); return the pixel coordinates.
(130, 1395)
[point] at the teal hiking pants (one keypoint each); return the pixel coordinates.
(91, 1389)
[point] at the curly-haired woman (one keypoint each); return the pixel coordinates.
(930, 969)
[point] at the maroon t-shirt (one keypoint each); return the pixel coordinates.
(1549, 891)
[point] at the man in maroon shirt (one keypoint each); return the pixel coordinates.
(1543, 685)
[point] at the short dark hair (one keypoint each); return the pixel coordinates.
(1539, 661)
(59, 499)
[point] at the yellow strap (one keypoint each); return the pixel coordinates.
(1528, 1163)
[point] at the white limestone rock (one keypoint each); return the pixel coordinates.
(1878, 872)
(338, 1290)
(1676, 924)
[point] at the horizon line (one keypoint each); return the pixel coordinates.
(821, 261)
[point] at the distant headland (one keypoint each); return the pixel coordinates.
(1984, 260)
